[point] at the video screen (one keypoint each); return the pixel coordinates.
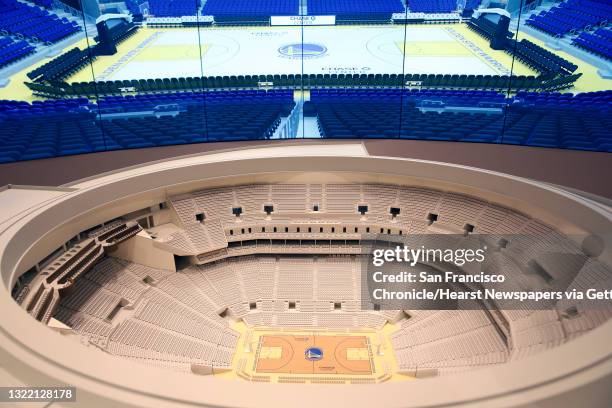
(80, 77)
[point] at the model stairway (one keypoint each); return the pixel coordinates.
(41, 297)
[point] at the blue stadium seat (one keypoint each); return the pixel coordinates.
(598, 42)
(246, 10)
(536, 119)
(43, 3)
(62, 66)
(472, 4)
(173, 8)
(73, 126)
(17, 18)
(373, 10)
(572, 15)
(433, 6)
(51, 128)
(12, 51)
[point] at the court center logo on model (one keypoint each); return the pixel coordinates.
(313, 354)
(302, 50)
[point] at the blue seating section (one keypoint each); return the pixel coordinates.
(572, 15)
(356, 9)
(22, 109)
(62, 66)
(46, 129)
(43, 3)
(173, 8)
(544, 119)
(433, 6)
(472, 4)
(547, 63)
(381, 114)
(21, 19)
(216, 119)
(600, 42)
(63, 127)
(245, 9)
(559, 120)
(133, 6)
(601, 99)
(11, 51)
(449, 97)
(144, 102)
(73, 126)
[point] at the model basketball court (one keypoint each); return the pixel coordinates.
(314, 354)
(317, 356)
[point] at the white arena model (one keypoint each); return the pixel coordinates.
(185, 282)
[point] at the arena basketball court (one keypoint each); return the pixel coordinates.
(438, 49)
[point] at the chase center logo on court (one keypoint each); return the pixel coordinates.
(305, 50)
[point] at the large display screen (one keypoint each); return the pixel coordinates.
(175, 72)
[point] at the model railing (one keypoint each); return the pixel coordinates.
(61, 274)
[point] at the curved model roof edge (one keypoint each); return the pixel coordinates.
(37, 222)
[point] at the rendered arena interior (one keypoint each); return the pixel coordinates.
(233, 274)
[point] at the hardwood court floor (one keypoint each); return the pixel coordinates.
(340, 354)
